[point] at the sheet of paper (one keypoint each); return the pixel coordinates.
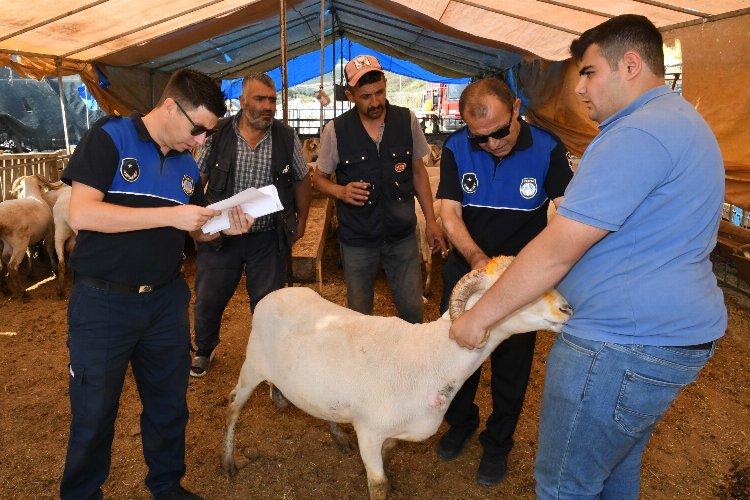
(255, 202)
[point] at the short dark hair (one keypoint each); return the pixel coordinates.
(259, 77)
(193, 89)
(368, 78)
(472, 102)
(621, 34)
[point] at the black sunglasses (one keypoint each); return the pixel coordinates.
(197, 129)
(497, 134)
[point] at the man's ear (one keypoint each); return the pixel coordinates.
(632, 64)
(516, 108)
(349, 95)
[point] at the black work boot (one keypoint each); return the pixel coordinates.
(177, 493)
(492, 470)
(452, 443)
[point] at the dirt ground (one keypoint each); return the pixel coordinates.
(700, 450)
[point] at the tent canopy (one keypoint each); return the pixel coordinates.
(307, 66)
(225, 38)
(137, 44)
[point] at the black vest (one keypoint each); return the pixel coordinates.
(388, 215)
(221, 162)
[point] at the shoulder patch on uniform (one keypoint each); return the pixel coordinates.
(528, 187)
(188, 186)
(129, 169)
(469, 182)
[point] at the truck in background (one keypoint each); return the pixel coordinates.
(439, 111)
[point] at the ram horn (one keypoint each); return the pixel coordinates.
(465, 288)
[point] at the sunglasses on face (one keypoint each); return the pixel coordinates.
(197, 129)
(497, 134)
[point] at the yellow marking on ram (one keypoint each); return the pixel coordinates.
(552, 302)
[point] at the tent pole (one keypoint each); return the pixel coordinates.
(322, 60)
(284, 80)
(333, 64)
(62, 105)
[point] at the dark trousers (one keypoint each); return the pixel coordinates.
(219, 270)
(107, 331)
(510, 366)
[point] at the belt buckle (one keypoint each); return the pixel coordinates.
(145, 289)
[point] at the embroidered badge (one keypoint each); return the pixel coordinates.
(400, 167)
(286, 169)
(188, 185)
(469, 182)
(129, 169)
(570, 160)
(361, 61)
(528, 187)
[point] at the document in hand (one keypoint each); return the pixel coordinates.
(256, 202)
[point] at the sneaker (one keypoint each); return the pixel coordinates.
(452, 443)
(177, 493)
(492, 470)
(201, 362)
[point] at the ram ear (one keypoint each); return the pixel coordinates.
(465, 288)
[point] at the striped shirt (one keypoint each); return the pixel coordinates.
(253, 167)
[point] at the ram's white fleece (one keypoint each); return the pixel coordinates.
(389, 378)
(23, 222)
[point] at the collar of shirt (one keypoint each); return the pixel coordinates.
(637, 103)
(145, 136)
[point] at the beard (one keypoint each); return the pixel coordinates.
(259, 121)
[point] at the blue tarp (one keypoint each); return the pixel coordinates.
(86, 97)
(307, 66)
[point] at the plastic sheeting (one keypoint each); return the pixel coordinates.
(307, 66)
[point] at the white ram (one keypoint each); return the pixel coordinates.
(425, 254)
(389, 378)
(58, 198)
(24, 221)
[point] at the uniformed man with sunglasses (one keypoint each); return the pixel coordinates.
(136, 190)
(498, 175)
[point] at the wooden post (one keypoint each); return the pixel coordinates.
(62, 106)
(284, 80)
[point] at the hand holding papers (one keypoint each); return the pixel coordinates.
(255, 202)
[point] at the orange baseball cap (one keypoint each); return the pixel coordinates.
(360, 66)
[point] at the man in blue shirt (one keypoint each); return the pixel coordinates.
(647, 310)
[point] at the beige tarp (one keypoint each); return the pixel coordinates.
(125, 37)
(716, 76)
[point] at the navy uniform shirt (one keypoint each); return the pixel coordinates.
(118, 157)
(504, 200)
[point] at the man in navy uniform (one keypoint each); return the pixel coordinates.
(136, 190)
(497, 177)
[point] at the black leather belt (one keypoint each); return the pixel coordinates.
(116, 287)
(697, 347)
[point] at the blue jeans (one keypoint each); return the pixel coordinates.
(108, 330)
(402, 268)
(219, 270)
(600, 404)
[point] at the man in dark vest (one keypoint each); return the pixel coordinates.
(252, 149)
(376, 150)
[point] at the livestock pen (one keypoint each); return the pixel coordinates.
(47, 165)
